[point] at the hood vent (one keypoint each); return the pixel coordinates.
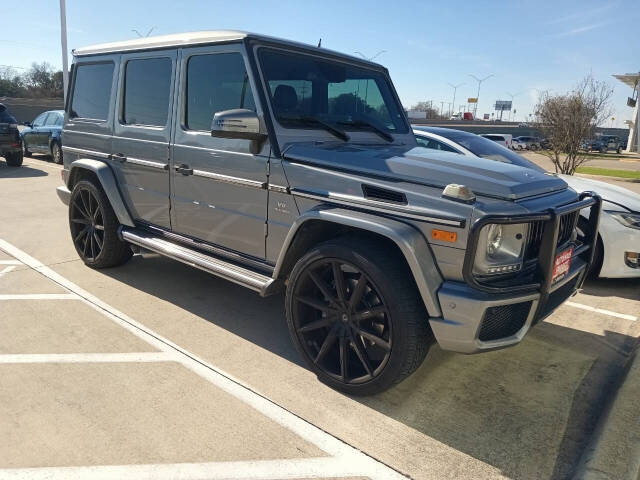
(384, 195)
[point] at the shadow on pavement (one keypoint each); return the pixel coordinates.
(527, 410)
(628, 288)
(20, 172)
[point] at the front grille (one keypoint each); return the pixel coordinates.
(504, 321)
(567, 224)
(556, 298)
(532, 248)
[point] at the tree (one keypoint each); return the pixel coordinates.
(11, 84)
(567, 120)
(43, 81)
(428, 108)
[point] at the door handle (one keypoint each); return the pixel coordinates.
(119, 157)
(184, 169)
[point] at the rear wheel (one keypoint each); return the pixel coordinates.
(94, 227)
(14, 159)
(356, 316)
(56, 153)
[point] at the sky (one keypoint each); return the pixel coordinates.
(528, 46)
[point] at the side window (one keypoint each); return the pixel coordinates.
(92, 91)
(59, 120)
(215, 83)
(51, 119)
(443, 146)
(423, 142)
(39, 121)
(147, 84)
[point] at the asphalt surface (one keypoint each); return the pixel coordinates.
(156, 369)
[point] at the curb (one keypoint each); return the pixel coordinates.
(614, 450)
(604, 178)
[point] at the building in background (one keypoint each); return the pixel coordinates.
(632, 80)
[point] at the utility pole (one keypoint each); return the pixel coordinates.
(512, 95)
(63, 41)
(455, 87)
(442, 109)
(479, 80)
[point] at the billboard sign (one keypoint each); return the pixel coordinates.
(472, 100)
(486, 116)
(503, 105)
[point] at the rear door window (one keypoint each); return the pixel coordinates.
(92, 91)
(147, 92)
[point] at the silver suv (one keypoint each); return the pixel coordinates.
(281, 166)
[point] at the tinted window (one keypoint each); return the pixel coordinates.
(215, 83)
(304, 86)
(92, 91)
(59, 120)
(485, 148)
(147, 84)
(434, 144)
(39, 121)
(51, 119)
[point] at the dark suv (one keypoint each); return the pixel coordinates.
(10, 144)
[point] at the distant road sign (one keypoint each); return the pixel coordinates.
(486, 116)
(503, 105)
(472, 100)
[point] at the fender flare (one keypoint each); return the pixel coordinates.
(412, 244)
(108, 182)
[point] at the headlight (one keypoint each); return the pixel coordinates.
(631, 220)
(500, 249)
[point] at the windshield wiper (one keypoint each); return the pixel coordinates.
(377, 130)
(316, 121)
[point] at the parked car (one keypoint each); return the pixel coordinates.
(43, 135)
(617, 251)
(266, 162)
(524, 142)
(10, 146)
(603, 144)
(504, 139)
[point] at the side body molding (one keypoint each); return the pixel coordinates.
(108, 182)
(409, 240)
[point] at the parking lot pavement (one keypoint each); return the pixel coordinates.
(525, 412)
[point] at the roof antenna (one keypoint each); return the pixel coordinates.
(320, 43)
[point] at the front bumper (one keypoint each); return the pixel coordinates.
(616, 240)
(64, 194)
(477, 317)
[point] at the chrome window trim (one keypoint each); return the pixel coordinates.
(147, 163)
(231, 180)
(82, 151)
(278, 188)
(381, 207)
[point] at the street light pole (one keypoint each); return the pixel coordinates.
(455, 87)
(512, 95)
(63, 41)
(479, 80)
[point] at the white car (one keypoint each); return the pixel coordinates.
(504, 139)
(618, 251)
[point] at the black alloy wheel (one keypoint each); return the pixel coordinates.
(87, 224)
(342, 321)
(356, 316)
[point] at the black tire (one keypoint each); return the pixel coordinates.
(383, 337)
(14, 159)
(598, 256)
(25, 149)
(94, 227)
(56, 153)
(618, 150)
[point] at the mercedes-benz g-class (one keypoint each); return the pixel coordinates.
(282, 166)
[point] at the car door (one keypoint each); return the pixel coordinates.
(32, 137)
(142, 130)
(46, 130)
(218, 191)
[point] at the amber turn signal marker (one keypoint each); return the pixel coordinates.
(444, 236)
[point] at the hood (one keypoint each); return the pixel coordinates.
(607, 191)
(429, 167)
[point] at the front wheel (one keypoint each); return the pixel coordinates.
(94, 227)
(356, 316)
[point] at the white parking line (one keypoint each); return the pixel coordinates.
(40, 296)
(10, 262)
(7, 270)
(250, 470)
(346, 461)
(142, 357)
(602, 311)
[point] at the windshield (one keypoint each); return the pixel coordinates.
(304, 87)
(485, 148)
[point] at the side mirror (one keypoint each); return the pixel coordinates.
(239, 123)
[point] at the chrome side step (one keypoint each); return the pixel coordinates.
(256, 281)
